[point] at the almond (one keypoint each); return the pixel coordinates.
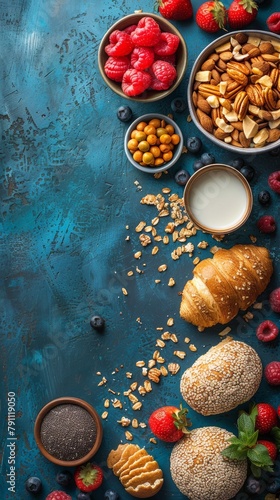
(266, 48)
(208, 65)
(245, 143)
(205, 121)
(273, 135)
(203, 104)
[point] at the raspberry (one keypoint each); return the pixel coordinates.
(274, 181)
(135, 82)
(266, 224)
(58, 495)
(267, 331)
(157, 84)
(120, 44)
(274, 300)
(147, 32)
(170, 59)
(130, 28)
(272, 373)
(164, 72)
(115, 67)
(167, 45)
(142, 57)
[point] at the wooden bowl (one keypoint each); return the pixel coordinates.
(67, 430)
(182, 57)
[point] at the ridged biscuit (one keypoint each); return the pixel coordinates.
(138, 472)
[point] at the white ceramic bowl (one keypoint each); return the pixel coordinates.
(203, 56)
(176, 152)
(181, 65)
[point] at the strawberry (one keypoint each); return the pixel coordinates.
(271, 448)
(88, 477)
(211, 16)
(241, 13)
(266, 418)
(273, 22)
(178, 10)
(169, 423)
(58, 495)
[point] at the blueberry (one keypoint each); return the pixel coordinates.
(111, 495)
(273, 486)
(264, 197)
(253, 485)
(237, 163)
(33, 485)
(181, 177)
(207, 158)
(124, 113)
(83, 496)
(193, 144)
(64, 478)
(178, 105)
(97, 322)
(198, 164)
(248, 172)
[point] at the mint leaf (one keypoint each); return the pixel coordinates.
(256, 471)
(259, 456)
(253, 414)
(245, 424)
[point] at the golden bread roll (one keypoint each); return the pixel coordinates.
(137, 471)
(231, 280)
(226, 376)
(200, 471)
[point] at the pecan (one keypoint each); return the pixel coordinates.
(239, 66)
(255, 94)
(238, 76)
(240, 105)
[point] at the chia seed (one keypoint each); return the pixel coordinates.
(68, 432)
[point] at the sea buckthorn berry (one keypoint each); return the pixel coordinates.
(164, 148)
(150, 129)
(175, 139)
(169, 129)
(141, 126)
(152, 139)
(155, 151)
(165, 138)
(155, 122)
(140, 136)
(160, 131)
(144, 146)
(167, 156)
(137, 156)
(159, 162)
(132, 144)
(148, 158)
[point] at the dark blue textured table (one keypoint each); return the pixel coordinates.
(70, 202)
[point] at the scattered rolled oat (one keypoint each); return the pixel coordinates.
(192, 348)
(170, 322)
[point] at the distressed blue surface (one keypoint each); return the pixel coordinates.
(67, 195)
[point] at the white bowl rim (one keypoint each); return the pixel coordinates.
(166, 166)
(200, 57)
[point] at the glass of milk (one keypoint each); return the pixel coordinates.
(218, 199)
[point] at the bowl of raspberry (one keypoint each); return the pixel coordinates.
(68, 431)
(233, 92)
(142, 57)
(153, 143)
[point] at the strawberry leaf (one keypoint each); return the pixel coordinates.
(259, 456)
(276, 436)
(234, 452)
(246, 424)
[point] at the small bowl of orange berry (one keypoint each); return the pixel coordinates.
(153, 143)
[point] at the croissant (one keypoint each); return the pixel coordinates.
(231, 280)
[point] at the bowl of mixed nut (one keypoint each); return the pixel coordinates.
(153, 143)
(234, 91)
(142, 57)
